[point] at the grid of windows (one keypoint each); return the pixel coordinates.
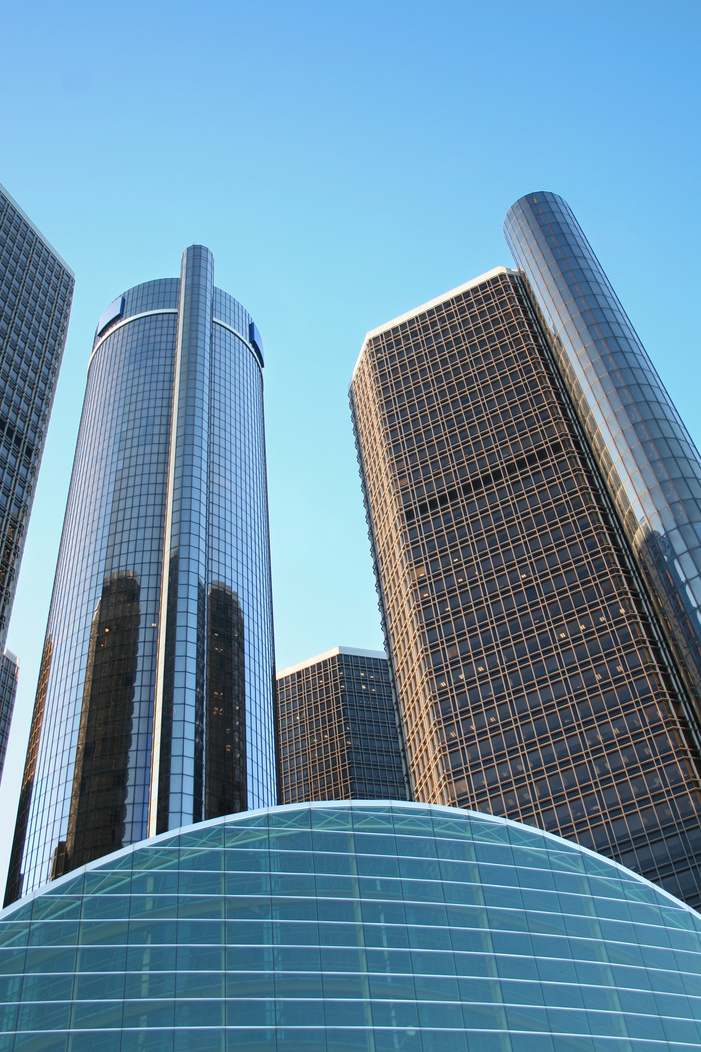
(647, 458)
(36, 289)
(9, 670)
(90, 771)
(338, 734)
(532, 678)
(332, 928)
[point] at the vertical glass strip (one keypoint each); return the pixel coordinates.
(177, 782)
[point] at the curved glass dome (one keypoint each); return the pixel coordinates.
(351, 926)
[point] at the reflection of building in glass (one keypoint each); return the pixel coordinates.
(98, 801)
(36, 288)
(9, 670)
(14, 878)
(155, 701)
(533, 676)
(646, 457)
(334, 927)
(338, 731)
(225, 778)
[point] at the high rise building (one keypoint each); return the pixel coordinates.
(645, 455)
(351, 927)
(338, 732)
(36, 289)
(535, 677)
(9, 672)
(154, 707)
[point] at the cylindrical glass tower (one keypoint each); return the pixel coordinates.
(649, 463)
(155, 700)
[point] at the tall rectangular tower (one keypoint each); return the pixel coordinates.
(36, 289)
(338, 732)
(534, 678)
(154, 707)
(9, 672)
(646, 458)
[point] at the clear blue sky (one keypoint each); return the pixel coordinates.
(345, 162)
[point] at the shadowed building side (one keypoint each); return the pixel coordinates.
(339, 730)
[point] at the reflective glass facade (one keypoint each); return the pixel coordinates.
(154, 707)
(338, 732)
(650, 465)
(330, 928)
(9, 670)
(533, 678)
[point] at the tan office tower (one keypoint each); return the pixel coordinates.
(533, 676)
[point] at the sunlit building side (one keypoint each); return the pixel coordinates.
(533, 675)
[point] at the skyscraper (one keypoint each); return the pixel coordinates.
(154, 707)
(645, 455)
(36, 289)
(533, 672)
(338, 732)
(9, 671)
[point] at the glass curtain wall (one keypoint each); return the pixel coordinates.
(156, 686)
(649, 463)
(351, 928)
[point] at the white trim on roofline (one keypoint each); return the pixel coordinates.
(334, 652)
(431, 303)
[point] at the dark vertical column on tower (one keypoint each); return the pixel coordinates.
(225, 773)
(649, 463)
(177, 776)
(97, 819)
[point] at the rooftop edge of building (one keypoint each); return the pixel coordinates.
(124, 309)
(334, 652)
(253, 817)
(533, 198)
(473, 283)
(43, 238)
